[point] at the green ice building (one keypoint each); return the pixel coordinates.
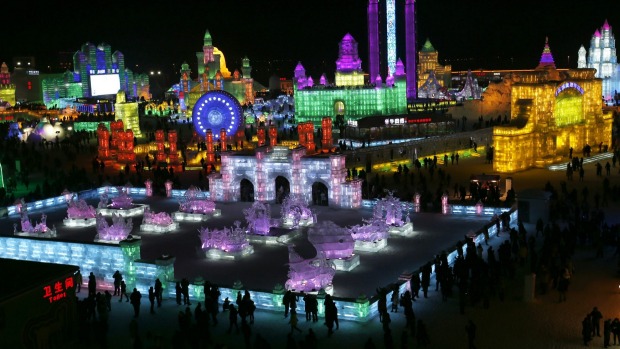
(349, 95)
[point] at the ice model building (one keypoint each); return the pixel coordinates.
(551, 111)
(334, 243)
(314, 102)
(117, 231)
(372, 235)
(225, 243)
(194, 205)
(602, 56)
(80, 214)
(428, 59)
(243, 175)
(160, 222)
(392, 210)
(309, 275)
(39, 229)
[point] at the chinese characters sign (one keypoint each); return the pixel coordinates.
(57, 290)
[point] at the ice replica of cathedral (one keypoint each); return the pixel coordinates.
(602, 57)
(551, 110)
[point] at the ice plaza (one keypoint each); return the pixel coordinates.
(263, 247)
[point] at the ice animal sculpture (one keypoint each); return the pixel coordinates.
(308, 275)
(295, 212)
(331, 240)
(194, 201)
(225, 239)
(119, 230)
(258, 217)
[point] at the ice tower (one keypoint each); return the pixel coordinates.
(602, 57)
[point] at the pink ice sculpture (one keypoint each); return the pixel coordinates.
(391, 209)
(39, 228)
(194, 201)
(295, 211)
(308, 275)
(331, 240)
(80, 210)
(123, 201)
(226, 239)
(258, 217)
(160, 219)
(119, 230)
(373, 230)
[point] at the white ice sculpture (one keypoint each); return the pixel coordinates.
(295, 212)
(119, 230)
(258, 217)
(309, 275)
(331, 240)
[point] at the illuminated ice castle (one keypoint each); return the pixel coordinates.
(349, 96)
(602, 57)
(353, 94)
(213, 74)
(552, 110)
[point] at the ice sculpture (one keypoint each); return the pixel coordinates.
(40, 229)
(371, 236)
(119, 230)
(258, 217)
(392, 210)
(309, 275)
(157, 222)
(195, 206)
(334, 242)
(122, 205)
(123, 201)
(228, 243)
(80, 214)
(295, 212)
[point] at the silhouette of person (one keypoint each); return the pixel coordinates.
(123, 291)
(92, 284)
(135, 301)
(152, 299)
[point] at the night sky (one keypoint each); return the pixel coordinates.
(276, 34)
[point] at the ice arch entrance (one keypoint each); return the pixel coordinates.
(246, 191)
(283, 188)
(320, 194)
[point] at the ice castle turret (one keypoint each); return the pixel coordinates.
(602, 57)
